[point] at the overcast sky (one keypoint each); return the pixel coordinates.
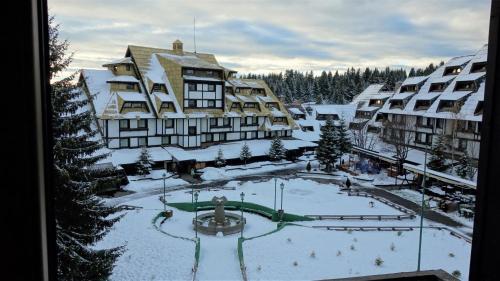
(271, 36)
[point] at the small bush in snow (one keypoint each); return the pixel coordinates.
(400, 233)
(451, 255)
(289, 240)
(353, 248)
(339, 253)
(349, 231)
(355, 239)
(456, 273)
(379, 261)
(259, 268)
(313, 254)
(295, 263)
(393, 247)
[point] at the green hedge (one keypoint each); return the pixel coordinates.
(236, 205)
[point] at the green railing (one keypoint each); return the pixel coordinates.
(236, 205)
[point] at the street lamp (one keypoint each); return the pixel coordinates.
(242, 196)
(275, 180)
(422, 209)
(282, 186)
(192, 193)
(196, 215)
(164, 199)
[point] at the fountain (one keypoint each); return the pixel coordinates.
(218, 220)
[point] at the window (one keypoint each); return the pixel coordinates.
(478, 67)
(142, 123)
(439, 123)
(156, 88)
(408, 88)
(213, 122)
(209, 138)
(250, 105)
(165, 140)
(211, 103)
(130, 86)
(235, 105)
(211, 87)
(135, 105)
(165, 105)
(189, 72)
(237, 90)
(243, 135)
(226, 122)
(191, 87)
(142, 141)
(452, 70)
(210, 73)
(124, 124)
(124, 142)
(128, 67)
(192, 130)
(465, 86)
(191, 103)
(437, 87)
(222, 137)
(272, 105)
(169, 123)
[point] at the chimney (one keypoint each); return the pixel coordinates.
(177, 46)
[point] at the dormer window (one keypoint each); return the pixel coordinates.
(465, 86)
(229, 90)
(237, 90)
(258, 91)
(376, 102)
(166, 105)
(279, 120)
(272, 105)
(236, 105)
(136, 105)
(452, 70)
(250, 105)
(449, 106)
(422, 104)
(127, 67)
(408, 88)
(478, 67)
(437, 87)
(189, 72)
(130, 86)
(396, 104)
(210, 73)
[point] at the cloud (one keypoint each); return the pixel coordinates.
(263, 36)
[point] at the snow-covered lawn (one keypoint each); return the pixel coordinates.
(149, 254)
(334, 258)
(153, 255)
(152, 181)
(300, 196)
(227, 172)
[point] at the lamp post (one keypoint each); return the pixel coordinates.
(422, 210)
(164, 199)
(275, 180)
(242, 196)
(196, 215)
(282, 186)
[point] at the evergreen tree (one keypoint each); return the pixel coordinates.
(343, 140)
(144, 163)
(465, 167)
(245, 153)
(81, 218)
(277, 150)
(327, 151)
(219, 159)
(437, 160)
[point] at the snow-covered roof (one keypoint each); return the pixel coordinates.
(295, 110)
(266, 98)
(239, 83)
(191, 60)
(126, 96)
(458, 61)
(123, 78)
(402, 96)
(470, 76)
(125, 60)
(414, 80)
(277, 113)
(232, 98)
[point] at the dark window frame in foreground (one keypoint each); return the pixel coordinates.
(31, 229)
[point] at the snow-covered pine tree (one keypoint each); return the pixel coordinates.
(344, 142)
(245, 153)
(327, 151)
(464, 166)
(81, 218)
(437, 160)
(144, 163)
(219, 159)
(277, 150)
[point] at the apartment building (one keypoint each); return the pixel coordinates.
(161, 97)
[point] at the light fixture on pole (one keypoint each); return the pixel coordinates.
(196, 215)
(164, 194)
(275, 180)
(422, 210)
(282, 186)
(242, 196)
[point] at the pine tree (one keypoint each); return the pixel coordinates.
(81, 218)
(144, 163)
(327, 151)
(464, 167)
(437, 160)
(277, 150)
(245, 153)
(219, 159)
(343, 140)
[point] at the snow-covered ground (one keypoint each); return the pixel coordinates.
(227, 172)
(153, 255)
(275, 255)
(152, 181)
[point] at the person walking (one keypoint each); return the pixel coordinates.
(348, 183)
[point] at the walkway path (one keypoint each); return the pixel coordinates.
(219, 258)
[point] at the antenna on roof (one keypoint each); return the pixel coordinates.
(194, 33)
